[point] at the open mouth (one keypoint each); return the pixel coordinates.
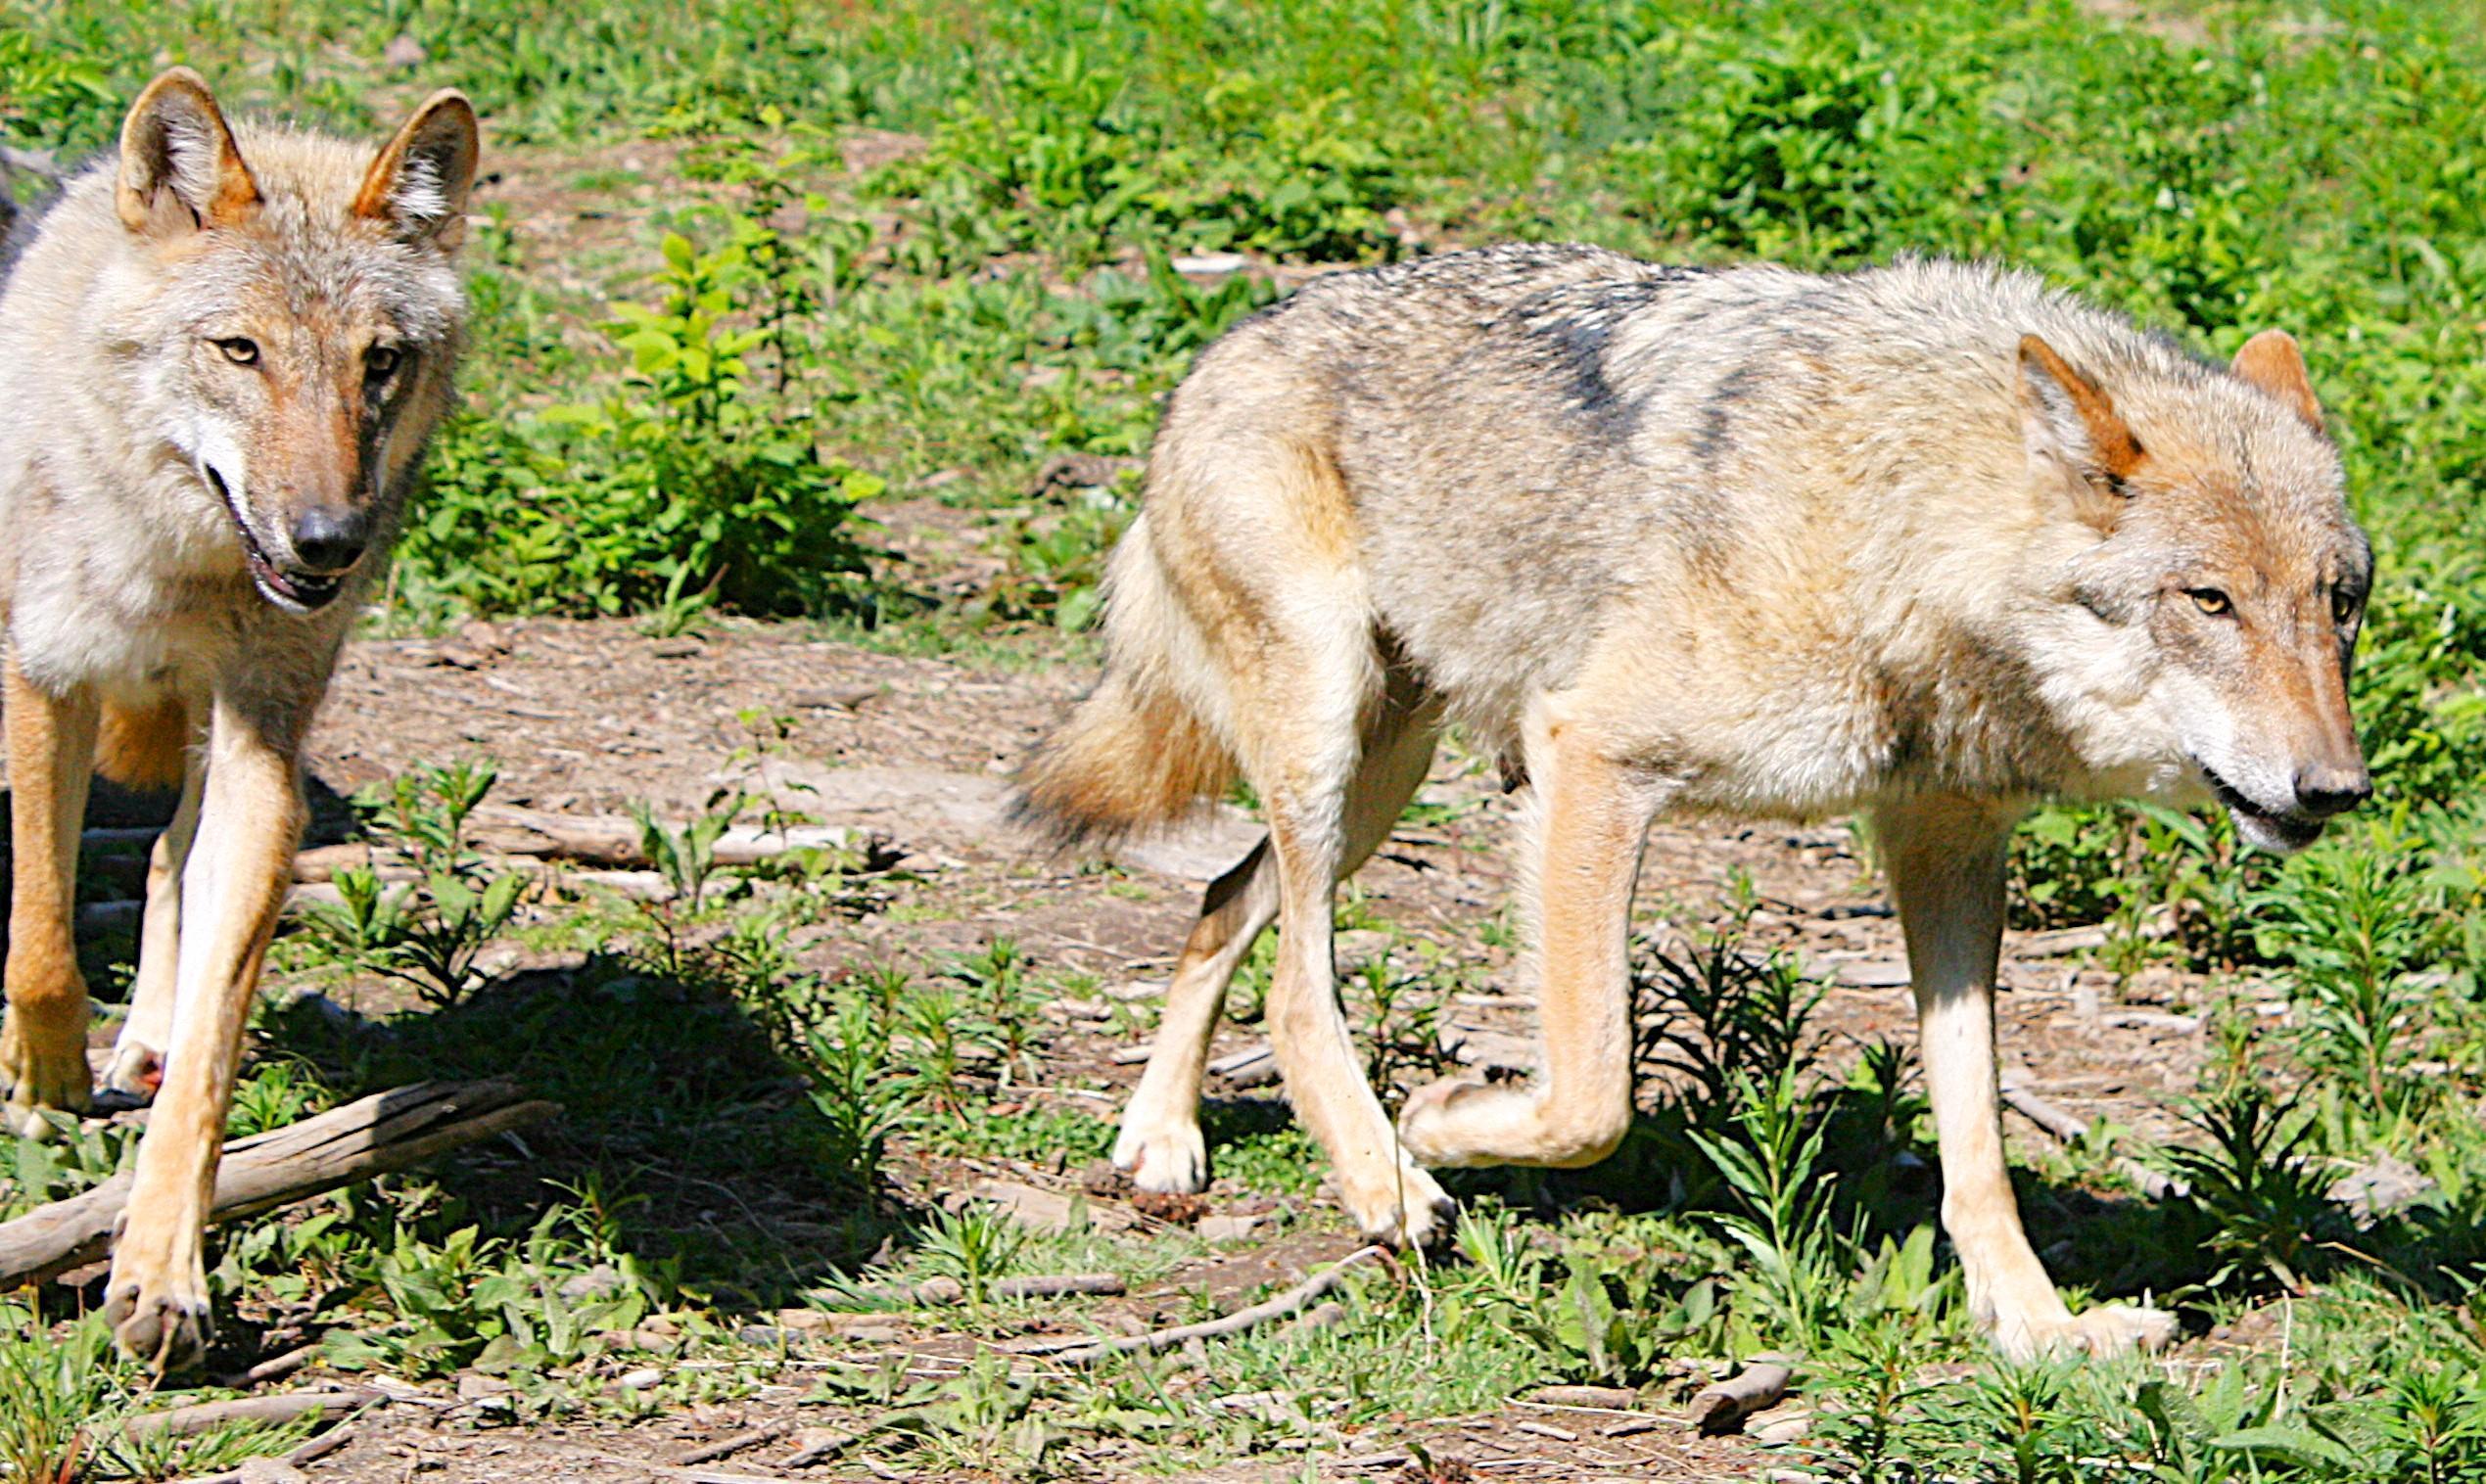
(2283, 830)
(293, 591)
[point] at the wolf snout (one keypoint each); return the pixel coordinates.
(330, 538)
(2324, 790)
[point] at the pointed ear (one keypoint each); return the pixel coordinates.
(2269, 361)
(179, 169)
(419, 183)
(2069, 421)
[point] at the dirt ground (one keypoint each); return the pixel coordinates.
(586, 716)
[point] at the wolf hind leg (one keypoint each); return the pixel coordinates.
(1160, 1142)
(1303, 778)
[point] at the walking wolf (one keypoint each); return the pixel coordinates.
(221, 353)
(1930, 541)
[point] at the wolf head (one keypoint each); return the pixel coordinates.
(296, 319)
(2217, 557)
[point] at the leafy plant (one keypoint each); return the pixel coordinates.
(429, 932)
(688, 857)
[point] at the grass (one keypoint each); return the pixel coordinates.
(887, 266)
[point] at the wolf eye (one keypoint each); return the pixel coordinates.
(2210, 601)
(2343, 606)
(380, 361)
(240, 352)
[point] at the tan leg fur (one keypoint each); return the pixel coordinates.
(233, 886)
(1947, 860)
(51, 758)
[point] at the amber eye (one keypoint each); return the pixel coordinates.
(2210, 601)
(240, 352)
(2343, 606)
(380, 361)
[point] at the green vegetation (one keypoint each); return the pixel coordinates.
(773, 289)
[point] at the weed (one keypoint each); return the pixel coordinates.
(427, 932)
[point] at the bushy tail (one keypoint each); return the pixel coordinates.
(146, 748)
(1134, 756)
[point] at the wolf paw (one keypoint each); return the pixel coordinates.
(1429, 1120)
(136, 1070)
(163, 1322)
(1167, 1157)
(2112, 1330)
(41, 1074)
(1413, 1212)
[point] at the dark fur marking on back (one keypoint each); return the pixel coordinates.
(1715, 436)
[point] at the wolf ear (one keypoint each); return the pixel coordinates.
(179, 169)
(419, 183)
(2269, 361)
(2069, 422)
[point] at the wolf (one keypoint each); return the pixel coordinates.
(221, 355)
(1927, 543)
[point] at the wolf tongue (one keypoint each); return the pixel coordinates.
(266, 571)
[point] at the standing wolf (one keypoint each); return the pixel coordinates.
(221, 357)
(1929, 541)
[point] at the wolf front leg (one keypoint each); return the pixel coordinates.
(51, 760)
(232, 889)
(1947, 863)
(1589, 820)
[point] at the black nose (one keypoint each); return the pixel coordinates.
(2327, 791)
(331, 537)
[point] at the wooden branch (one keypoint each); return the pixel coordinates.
(1723, 1408)
(274, 1367)
(1293, 1301)
(734, 1443)
(1587, 1397)
(687, 1475)
(1059, 1285)
(596, 840)
(317, 1447)
(373, 1135)
(184, 1422)
(614, 839)
(1252, 1065)
(2071, 1129)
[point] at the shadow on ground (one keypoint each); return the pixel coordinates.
(693, 1132)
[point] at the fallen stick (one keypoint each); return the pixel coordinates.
(321, 1446)
(372, 1136)
(819, 1448)
(184, 1422)
(1059, 1285)
(590, 840)
(2055, 942)
(1234, 1061)
(614, 840)
(1587, 1397)
(690, 1476)
(940, 1292)
(317, 1447)
(1248, 1067)
(1722, 1407)
(124, 914)
(2071, 1129)
(935, 1292)
(1293, 1301)
(272, 1368)
(726, 1445)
